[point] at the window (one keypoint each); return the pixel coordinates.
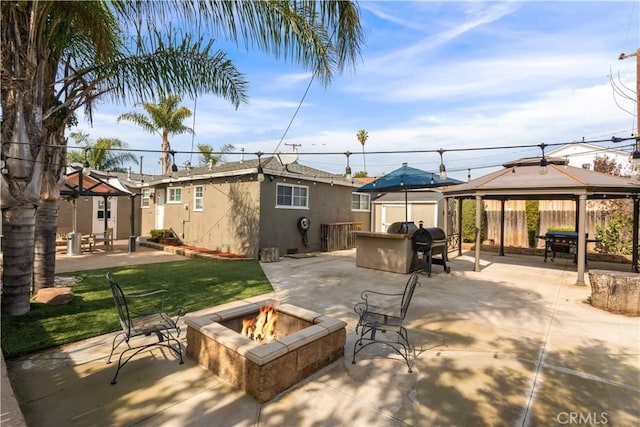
(175, 195)
(100, 212)
(198, 198)
(360, 202)
(586, 166)
(146, 198)
(292, 196)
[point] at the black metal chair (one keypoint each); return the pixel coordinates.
(138, 324)
(380, 320)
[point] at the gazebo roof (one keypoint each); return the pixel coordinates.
(522, 179)
(94, 184)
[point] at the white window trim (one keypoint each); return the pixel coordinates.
(145, 197)
(173, 202)
(195, 198)
(291, 206)
(362, 210)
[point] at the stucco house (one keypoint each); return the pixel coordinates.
(245, 206)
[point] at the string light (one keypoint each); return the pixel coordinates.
(443, 170)
(348, 168)
(86, 167)
(634, 155)
(174, 167)
(543, 161)
(260, 170)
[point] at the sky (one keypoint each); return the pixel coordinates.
(459, 76)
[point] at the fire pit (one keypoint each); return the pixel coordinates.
(304, 341)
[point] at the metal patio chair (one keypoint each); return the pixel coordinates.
(380, 320)
(143, 323)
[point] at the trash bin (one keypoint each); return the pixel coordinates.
(73, 243)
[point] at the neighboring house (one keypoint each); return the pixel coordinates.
(430, 207)
(582, 155)
(228, 208)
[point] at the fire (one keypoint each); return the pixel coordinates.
(262, 328)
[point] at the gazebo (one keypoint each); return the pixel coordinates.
(549, 179)
(92, 183)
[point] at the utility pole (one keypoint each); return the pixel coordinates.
(295, 146)
(637, 55)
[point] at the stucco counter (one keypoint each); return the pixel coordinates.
(384, 251)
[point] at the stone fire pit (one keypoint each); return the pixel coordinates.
(307, 341)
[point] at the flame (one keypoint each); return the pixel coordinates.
(262, 328)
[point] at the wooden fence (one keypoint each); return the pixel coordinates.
(552, 213)
(337, 236)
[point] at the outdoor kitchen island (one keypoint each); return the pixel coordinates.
(384, 251)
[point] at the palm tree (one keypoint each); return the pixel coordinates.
(100, 153)
(58, 57)
(209, 157)
(164, 118)
(362, 136)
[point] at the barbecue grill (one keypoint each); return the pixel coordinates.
(560, 241)
(426, 243)
(402, 227)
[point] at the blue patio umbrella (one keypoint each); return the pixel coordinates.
(406, 178)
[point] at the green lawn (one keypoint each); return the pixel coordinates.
(193, 284)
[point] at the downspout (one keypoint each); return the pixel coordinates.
(132, 221)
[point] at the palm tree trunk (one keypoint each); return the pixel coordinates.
(18, 225)
(44, 257)
(364, 161)
(166, 163)
(44, 262)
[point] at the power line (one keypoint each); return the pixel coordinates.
(325, 153)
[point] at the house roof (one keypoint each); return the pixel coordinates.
(522, 179)
(585, 148)
(271, 166)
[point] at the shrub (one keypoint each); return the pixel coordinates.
(159, 233)
(565, 229)
(532, 212)
(616, 235)
(469, 221)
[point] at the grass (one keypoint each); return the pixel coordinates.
(193, 284)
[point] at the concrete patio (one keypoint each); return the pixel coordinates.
(515, 344)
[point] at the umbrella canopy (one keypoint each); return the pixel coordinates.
(406, 178)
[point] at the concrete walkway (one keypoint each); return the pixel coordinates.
(515, 344)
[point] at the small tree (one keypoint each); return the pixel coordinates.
(208, 156)
(605, 164)
(100, 153)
